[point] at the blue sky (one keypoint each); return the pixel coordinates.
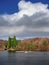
(10, 6)
(24, 18)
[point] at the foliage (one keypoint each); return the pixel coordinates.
(9, 43)
(44, 42)
(12, 42)
(31, 46)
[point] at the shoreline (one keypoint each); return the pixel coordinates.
(26, 51)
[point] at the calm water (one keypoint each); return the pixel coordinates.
(21, 58)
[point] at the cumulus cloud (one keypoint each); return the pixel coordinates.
(31, 20)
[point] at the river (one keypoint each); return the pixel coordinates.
(22, 58)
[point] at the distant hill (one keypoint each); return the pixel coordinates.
(38, 44)
(3, 41)
(32, 44)
(3, 44)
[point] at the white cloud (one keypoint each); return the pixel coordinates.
(32, 19)
(29, 8)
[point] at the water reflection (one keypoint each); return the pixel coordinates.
(21, 58)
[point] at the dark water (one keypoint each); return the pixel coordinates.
(21, 58)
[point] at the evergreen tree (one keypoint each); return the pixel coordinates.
(14, 44)
(15, 41)
(9, 43)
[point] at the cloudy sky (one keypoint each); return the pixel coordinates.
(24, 18)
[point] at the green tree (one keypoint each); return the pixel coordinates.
(44, 43)
(30, 46)
(14, 39)
(9, 43)
(12, 42)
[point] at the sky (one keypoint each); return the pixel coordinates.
(24, 18)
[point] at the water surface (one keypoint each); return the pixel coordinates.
(21, 58)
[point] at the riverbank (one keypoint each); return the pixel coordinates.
(33, 44)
